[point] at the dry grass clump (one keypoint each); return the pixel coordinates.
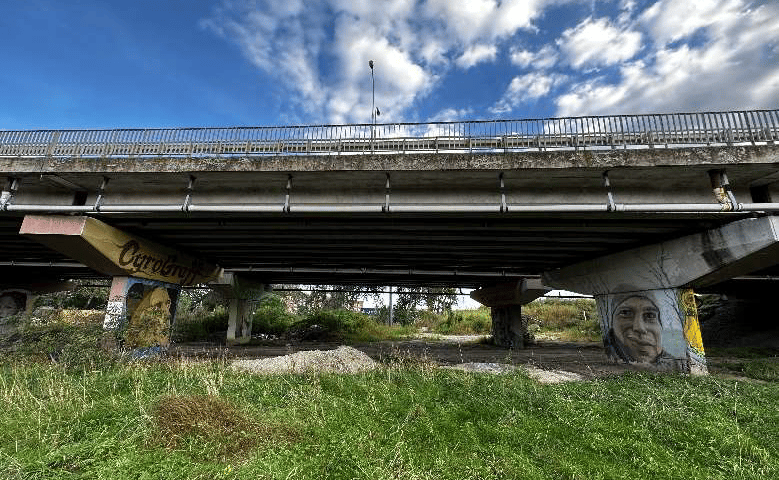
(211, 428)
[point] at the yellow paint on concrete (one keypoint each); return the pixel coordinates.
(692, 328)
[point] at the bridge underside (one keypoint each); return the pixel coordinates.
(442, 250)
(427, 219)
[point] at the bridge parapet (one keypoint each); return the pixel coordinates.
(572, 133)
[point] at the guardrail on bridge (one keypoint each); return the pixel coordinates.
(573, 133)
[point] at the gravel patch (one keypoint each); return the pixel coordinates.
(539, 374)
(341, 360)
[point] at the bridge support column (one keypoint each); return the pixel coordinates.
(140, 312)
(147, 276)
(242, 294)
(645, 295)
(656, 327)
(505, 301)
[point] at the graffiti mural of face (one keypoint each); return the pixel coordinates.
(8, 306)
(636, 324)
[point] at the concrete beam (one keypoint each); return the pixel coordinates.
(693, 261)
(114, 252)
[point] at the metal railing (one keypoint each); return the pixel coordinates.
(574, 133)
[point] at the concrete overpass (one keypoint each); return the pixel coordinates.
(473, 204)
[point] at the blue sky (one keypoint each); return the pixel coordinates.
(112, 64)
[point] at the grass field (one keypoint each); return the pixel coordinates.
(203, 420)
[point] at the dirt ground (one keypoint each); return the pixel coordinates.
(587, 359)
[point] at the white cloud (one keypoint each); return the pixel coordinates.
(525, 88)
(598, 42)
(472, 20)
(671, 20)
(734, 66)
(451, 115)
(477, 54)
(541, 60)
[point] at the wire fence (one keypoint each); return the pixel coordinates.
(573, 133)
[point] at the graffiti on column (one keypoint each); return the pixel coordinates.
(150, 320)
(136, 261)
(653, 327)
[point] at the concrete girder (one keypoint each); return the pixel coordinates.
(692, 261)
(147, 276)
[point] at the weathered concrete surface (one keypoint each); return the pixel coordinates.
(397, 162)
(509, 327)
(140, 312)
(510, 293)
(647, 308)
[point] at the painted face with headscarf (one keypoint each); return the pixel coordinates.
(637, 327)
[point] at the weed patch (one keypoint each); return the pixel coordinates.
(211, 428)
(200, 325)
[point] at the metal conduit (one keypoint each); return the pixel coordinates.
(378, 208)
(43, 264)
(373, 271)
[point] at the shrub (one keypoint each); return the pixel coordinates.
(82, 298)
(199, 325)
(336, 321)
(72, 346)
(272, 316)
(466, 322)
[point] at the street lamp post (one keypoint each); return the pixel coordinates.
(373, 104)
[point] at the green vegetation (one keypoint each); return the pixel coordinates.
(272, 317)
(70, 410)
(457, 322)
(203, 420)
(200, 324)
(757, 363)
(568, 320)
